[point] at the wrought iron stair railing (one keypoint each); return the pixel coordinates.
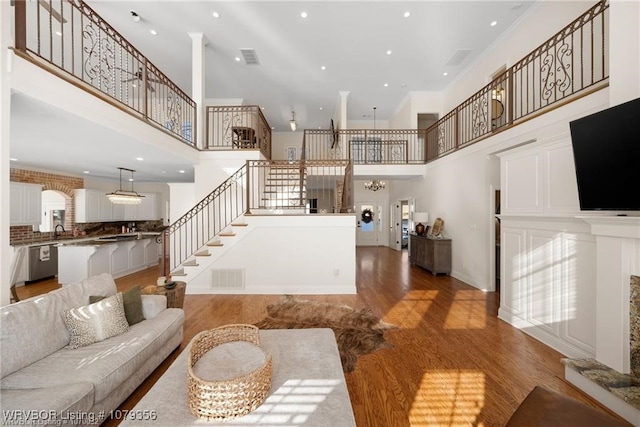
(69, 39)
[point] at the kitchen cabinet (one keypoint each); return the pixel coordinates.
(145, 211)
(25, 204)
(431, 254)
(89, 205)
(94, 206)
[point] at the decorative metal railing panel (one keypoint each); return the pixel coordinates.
(85, 50)
(205, 220)
(366, 146)
(563, 68)
(237, 127)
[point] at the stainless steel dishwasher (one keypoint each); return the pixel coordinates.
(43, 262)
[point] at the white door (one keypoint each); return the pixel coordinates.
(367, 234)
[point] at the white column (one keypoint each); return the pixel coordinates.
(343, 109)
(624, 51)
(6, 14)
(198, 84)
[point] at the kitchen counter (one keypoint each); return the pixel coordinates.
(117, 255)
(90, 240)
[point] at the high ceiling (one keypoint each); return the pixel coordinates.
(368, 48)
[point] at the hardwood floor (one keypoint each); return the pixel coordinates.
(453, 362)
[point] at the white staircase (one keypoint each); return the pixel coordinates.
(285, 188)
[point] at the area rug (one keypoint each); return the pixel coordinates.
(358, 332)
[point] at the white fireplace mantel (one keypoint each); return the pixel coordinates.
(617, 258)
(614, 226)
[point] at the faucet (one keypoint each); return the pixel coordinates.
(55, 230)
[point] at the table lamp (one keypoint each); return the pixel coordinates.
(419, 218)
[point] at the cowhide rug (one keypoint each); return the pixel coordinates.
(358, 332)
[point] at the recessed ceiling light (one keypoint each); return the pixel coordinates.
(320, 108)
(163, 171)
(319, 127)
(445, 73)
(134, 16)
(130, 179)
(139, 159)
(181, 171)
(389, 52)
(153, 32)
(86, 172)
(304, 14)
(407, 14)
(323, 68)
(262, 108)
(386, 85)
(237, 59)
(58, 33)
(494, 23)
(215, 14)
(13, 159)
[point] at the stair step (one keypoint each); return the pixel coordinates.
(178, 272)
(227, 234)
(202, 253)
(192, 263)
(215, 244)
(239, 224)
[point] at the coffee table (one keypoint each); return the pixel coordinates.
(307, 387)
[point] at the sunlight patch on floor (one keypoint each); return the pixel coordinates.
(448, 398)
(409, 312)
(468, 311)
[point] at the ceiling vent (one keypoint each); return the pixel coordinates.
(458, 57)
(250, 56)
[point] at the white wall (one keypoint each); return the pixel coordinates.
(302, 255)
(280, 141)
(5, 106)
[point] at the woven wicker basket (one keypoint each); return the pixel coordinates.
(225, 399)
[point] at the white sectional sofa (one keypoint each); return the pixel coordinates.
(44, 381)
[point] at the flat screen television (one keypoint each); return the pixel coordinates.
(606, 153)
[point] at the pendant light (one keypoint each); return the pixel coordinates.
(123, 197)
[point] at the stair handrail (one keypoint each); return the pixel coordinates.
(203, 233)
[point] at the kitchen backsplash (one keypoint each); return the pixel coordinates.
(21, 234)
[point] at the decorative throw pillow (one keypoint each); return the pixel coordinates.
(96, 322)
(132, 301)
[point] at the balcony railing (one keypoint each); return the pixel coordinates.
(569, 65)
(365, 146)
(239, 127)
(86, 51)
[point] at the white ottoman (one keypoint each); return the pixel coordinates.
(307, 387)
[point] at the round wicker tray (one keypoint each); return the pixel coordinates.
(229, 398)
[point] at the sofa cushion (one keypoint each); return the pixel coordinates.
(47, 404)
(105, 364)
(95, 322)
(132, 301)
(33, 328)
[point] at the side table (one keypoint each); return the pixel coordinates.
(175, 296)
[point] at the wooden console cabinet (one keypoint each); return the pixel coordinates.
(431, 254)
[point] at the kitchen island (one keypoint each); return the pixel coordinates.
(117, 255)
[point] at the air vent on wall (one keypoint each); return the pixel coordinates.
(227, 278)
(250, 56)
(458, 57)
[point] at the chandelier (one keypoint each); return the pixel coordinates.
(374, 185)
(123, 197)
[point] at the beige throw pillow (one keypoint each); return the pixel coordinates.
(96, 322)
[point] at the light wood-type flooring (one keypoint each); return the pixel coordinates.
(453, 362)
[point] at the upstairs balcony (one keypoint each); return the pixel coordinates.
(70, 40)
